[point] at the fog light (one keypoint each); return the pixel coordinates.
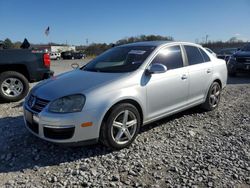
(86, 124)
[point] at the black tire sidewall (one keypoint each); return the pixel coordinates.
(13, 74)
(117, 109)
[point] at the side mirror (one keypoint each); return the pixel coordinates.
(75, 65)
(156, 69)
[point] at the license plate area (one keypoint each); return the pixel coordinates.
(32, 121)
(31, 118)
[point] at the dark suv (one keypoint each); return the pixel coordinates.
(239, 61)
(72, 55)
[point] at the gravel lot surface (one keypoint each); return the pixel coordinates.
(192, 149)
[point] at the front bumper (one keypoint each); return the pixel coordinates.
(238, 67)
(63, 128)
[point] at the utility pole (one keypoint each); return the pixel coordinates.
(207, 38)
(87, 42)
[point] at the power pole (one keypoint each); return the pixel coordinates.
(207, 38)
(87, 42)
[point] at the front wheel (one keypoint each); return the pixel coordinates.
(13, 86)
(121, 126)
(213, 97)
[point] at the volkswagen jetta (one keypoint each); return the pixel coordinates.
(126, 87)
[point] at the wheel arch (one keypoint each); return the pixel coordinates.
(22, 69)
(219, 81)
(130, 101)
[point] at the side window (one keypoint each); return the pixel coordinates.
(194, 56)
(170, 57)
(205, 56)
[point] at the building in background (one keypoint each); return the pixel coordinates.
(54, 48)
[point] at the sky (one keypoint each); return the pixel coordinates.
(106, 21)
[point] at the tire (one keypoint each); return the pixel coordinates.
(114, 137)
(213, 97)
(13, 86)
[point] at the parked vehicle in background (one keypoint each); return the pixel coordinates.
(72, 55)
(211, 52)
(55, 56)
(239, 61)
(133, 85)
(226, 53)
(18, 68)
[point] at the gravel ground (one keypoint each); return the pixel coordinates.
(190, 149)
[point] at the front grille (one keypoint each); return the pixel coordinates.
(243, 59)
(37, 104)
(59, 134)
(33, 126)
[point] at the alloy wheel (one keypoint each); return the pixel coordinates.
(124, 127)
(12, 87)
(215, 95)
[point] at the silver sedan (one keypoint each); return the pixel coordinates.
(128, 86)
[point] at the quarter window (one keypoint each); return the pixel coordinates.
(171, 57)
(194, 55)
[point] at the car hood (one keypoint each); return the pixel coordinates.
(242, 54)
(73, 82)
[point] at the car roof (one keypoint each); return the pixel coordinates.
(157, 43)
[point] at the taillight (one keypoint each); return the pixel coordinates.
(46, 60)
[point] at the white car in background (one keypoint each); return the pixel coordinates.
(55, 56)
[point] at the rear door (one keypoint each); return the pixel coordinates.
(167, 92)
(200, 72)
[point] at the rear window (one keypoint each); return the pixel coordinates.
(194, 55)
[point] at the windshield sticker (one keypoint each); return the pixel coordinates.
(137, 52)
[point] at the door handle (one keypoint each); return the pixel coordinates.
(209, 71)
(184, 77)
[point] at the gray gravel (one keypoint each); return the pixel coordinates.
(190, 149)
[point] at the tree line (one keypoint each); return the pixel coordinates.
(97, 48)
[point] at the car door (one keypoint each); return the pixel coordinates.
(200, 70)
(167, 92)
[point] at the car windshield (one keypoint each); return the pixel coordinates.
(246, 48)
(119, 59)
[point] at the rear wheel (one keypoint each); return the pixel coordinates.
(13, 86)
(213, 97)
(121, 126)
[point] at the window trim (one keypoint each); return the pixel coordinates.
(163, 47)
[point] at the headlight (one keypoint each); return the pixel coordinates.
(68, 104)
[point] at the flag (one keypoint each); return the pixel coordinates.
(47, 31)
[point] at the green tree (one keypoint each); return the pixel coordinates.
(7, 44)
